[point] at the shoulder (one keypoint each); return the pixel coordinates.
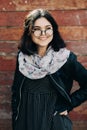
(72, 57)
(70, 61)
(73, 66)
(69, 67)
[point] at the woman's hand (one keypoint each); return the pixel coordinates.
(64, 113)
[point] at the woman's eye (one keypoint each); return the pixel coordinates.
(36, 29)
(48, 28)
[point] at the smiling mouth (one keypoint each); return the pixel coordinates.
(43, 38)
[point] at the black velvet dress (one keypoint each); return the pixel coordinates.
(38, 99)
(37, 106)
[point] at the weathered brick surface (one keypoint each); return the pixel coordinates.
(79, 47)
(7, 63)
(80, 125)
(63, 18)
(71, 16)
(74, 33)
(21, 5)
(11, 34)
(6, 78)
(8, 47)
(5, 124)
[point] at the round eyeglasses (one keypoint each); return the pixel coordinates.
(38, 32)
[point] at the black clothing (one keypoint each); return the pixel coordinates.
(37, 104)
(61, 83)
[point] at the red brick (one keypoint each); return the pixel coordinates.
(6, 5)
(77, 114)
(10, 33)
(7, 63)
(12, 19)
(5, 89)
(79, 125)
(74, 32)
(6, 77)
(70, 17)
(78, 47)
(4, 98)
(8, 47)
(83, 60)
(22, 5)
(6, 107)
(5, 124)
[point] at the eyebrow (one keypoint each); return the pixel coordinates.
(44, 26)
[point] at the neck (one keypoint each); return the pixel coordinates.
(42, 51)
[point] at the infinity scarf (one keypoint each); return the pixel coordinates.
(36, 67)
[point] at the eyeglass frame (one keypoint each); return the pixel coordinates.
(41, 31)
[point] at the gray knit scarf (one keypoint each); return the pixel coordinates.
(36, 67)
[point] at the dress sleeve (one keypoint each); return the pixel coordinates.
(14, 93)
(79, 74)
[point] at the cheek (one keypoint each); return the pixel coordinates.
(50, 39)
(34, 39)
(38, 41)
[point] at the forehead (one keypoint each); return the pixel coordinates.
(42, 22)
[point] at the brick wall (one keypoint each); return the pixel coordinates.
(71, 15)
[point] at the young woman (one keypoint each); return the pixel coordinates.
(44, 75)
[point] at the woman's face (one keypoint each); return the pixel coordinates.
(42, 32)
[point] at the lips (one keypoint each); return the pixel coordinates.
(43, 38)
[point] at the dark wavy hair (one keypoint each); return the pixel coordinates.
(27, 46)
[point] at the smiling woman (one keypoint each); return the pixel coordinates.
(40, 22)
(42, 34)
(44, 76)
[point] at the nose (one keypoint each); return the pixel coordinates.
(43, 32)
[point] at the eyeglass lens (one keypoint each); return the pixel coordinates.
(39, 32)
